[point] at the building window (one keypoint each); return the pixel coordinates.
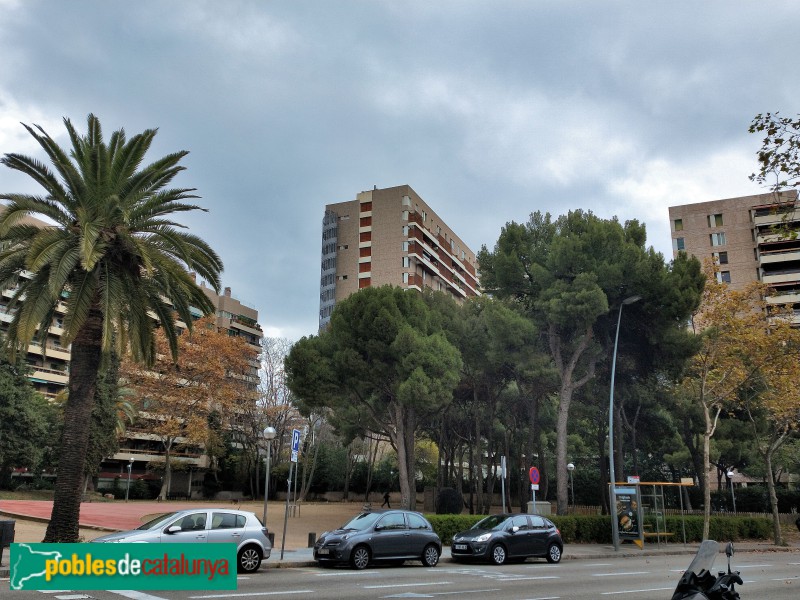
(721, 258)
(678, 244)
(405, 277)
(405, 230)
(343, 247)
(364, 252)
(405, 215)
(724, 276)
(366, 206)
(424, 216)
(406, 262)
(715, 220)
(363, 283)
(678, 224)
(405, 246)
(365, 221)
(717, 239)
(364, 267)
(365, 236)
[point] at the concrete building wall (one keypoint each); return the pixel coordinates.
(392, 236)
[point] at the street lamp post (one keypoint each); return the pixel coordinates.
(269, 435)
(128, 489)
(612, 476)
(733, 496)
(571, 468)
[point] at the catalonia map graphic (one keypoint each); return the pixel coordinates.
(29, 564)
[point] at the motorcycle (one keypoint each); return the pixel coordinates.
(698, 583)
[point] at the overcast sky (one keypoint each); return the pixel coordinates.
(490, 110)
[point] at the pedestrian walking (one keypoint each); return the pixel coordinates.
(386, 501)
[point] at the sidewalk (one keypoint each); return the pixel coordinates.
(100, 517)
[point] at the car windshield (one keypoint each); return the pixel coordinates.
(493, 522)
(157, 521)
(362, 521)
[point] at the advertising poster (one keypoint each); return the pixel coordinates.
(628, 515)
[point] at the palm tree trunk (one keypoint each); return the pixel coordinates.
(84, 367)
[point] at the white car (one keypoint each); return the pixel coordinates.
(201, 526)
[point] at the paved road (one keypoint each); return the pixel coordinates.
(766, 575)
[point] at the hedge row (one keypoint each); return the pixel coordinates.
(596, 529)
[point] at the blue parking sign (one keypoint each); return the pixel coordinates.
(295, 444)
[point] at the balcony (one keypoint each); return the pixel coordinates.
(50, 349)
(48, 375)
(777, 216)
(784, 276)
(778, 256)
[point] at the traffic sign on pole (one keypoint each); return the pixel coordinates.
(534, 475)
(295, 444)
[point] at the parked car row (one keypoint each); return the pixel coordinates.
(371, 537)
(400, 535)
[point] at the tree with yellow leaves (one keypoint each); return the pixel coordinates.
(742, 356)
(772, 402)
(182, 399)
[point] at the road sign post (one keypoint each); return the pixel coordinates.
(534, 476)
(295, 453)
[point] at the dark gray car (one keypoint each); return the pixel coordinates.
(380, 536)
(499, 538)
(201, 526)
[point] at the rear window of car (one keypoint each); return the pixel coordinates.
(538, 522)
(227, 521)
(417, 522)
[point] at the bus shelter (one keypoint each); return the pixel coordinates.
(640, 511)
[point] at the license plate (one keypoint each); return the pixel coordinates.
(460, 546)
(323, 551)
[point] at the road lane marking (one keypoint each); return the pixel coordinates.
(134, 595)
(636, 591)
(432, 594)
(243, 595)
(615, 574)
(600, 565)
(345, 573)
(400, 585)
(73, 597)
(752, 566)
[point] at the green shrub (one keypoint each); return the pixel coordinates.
(449, 525)
(596, 529)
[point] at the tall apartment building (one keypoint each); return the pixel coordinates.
(391, 237)
(239, 320)
(49, 373)
(751, 238)
(49, 361)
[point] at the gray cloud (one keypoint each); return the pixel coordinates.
(489, 110)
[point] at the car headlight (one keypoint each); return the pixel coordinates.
(483, 537)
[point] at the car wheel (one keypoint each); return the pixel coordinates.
(498, 554)
(249, 559)
(553, 554)
(359, 559)
(430, 556)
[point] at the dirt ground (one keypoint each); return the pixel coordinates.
(311, 518)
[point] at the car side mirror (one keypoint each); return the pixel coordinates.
(729, 549)
(173, 529)
(515, 529)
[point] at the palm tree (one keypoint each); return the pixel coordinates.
(114, 258)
